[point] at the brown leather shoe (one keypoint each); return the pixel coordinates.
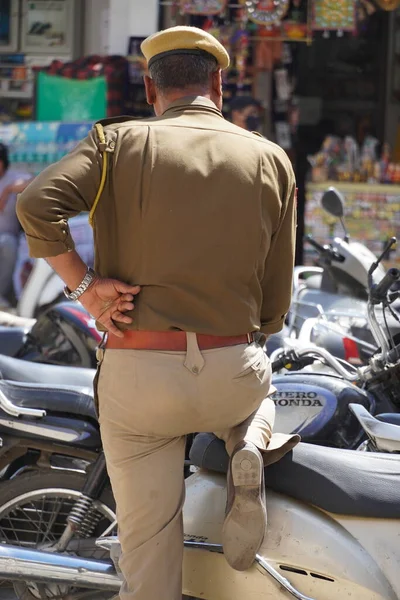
(246, 513)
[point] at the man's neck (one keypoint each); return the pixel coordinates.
(179, 95)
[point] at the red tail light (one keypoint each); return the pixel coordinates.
(351, 352)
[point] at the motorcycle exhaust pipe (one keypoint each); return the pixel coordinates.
(22, 564)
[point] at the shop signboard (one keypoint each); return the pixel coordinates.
(47, 26)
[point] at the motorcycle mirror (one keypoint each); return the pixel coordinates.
(333, 202)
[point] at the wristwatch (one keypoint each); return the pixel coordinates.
(82, 287)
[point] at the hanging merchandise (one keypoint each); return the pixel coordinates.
(266, 12)
(364, 9)
(241, 40)
(282, 84)
(268, 51)
(202, 7)
(334, 15)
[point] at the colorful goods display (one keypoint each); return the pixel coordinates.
(334, 15)
(266, 12)
(34, 145)
(202, 7)
(345, 160)
(372, 215)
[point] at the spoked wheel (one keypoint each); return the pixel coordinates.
(33, 514)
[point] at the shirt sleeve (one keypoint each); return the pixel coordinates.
(58, 193)
(278, 273)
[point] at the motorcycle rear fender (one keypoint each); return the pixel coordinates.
(318, 553)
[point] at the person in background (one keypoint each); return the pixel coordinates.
(245, 113)
(11, 184)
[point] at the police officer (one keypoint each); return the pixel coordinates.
(194, 222)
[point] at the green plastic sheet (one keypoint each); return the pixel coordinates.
(63, 99)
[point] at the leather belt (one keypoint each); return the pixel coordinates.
(172, 341)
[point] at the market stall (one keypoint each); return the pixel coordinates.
(365, 172)
(372, 215)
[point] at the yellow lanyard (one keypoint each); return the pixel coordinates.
(102, 139)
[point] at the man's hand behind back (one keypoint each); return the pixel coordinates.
(107, 300)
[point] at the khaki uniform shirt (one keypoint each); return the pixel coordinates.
(199, 212)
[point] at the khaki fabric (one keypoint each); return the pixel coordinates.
(199, 212)
(148, 402)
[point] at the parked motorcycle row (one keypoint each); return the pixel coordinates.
(333, 503)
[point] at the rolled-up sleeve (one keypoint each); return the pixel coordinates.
(58, 193)
(278, 273)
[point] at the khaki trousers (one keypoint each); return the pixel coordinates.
(148, 402)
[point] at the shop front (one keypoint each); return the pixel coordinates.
(320, 71)
(325, 76)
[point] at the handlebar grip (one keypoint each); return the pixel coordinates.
(380, 290)
(279, 364)
(394, 354)
(298, 362)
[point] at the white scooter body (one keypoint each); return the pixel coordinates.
(325, 556)
(357, 261)
(44, 286)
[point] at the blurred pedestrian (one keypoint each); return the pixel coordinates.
(11, 184)
(246, 113)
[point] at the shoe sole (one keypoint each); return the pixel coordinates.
(245, 524)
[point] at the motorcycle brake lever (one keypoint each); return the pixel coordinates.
(393, 296)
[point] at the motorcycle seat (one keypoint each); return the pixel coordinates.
(338, 481)
(391, 418)
(17, 369)
(11, 339)
(74, 401)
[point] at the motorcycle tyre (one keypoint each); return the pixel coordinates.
(33, 482)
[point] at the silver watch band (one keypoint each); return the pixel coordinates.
(82, 287)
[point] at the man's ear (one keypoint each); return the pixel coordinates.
(217, 82)
(151, 94)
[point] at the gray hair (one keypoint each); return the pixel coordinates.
(180, 71)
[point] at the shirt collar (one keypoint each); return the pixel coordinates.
(197, 102)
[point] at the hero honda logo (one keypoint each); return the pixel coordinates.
(289, 398)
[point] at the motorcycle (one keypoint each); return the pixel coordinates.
(54, 472)
(48, 409)
(333, 529)
(329, 302)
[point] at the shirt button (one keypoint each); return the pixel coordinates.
(195, 370)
